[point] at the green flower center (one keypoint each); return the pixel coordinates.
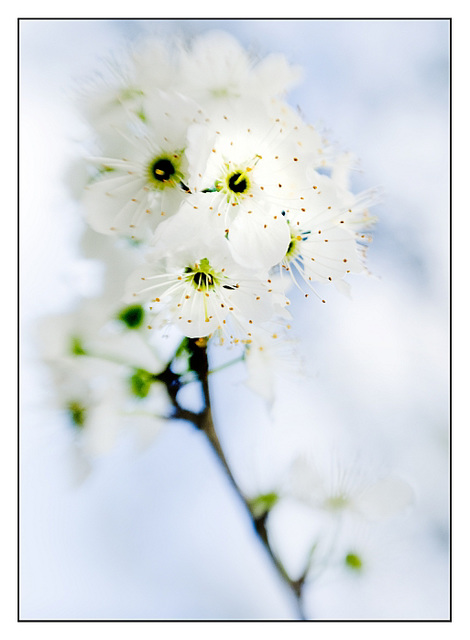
(165, 170)
(291, 247)
(234, 182)
(337, 502)
(295, 239)
(203, 280)
(202, 275)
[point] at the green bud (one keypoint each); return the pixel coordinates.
(353, 561)
(132, 316)
(76, 347)
(262, 504)
(77, 413)
(140, 383)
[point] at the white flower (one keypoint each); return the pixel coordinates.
(347, 489)
(270, 358)
(120, 89)
(114, 259)
(93, 404)
(322, 246)
(70, 334)
(248, 168)
(202, 290)
(105, 402)
(142, 184)
(218, 72)
(105, 377)
(358, 205)
(309, 144)
(94, 332)
(154, 64)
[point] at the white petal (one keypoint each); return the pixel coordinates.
(129, 348)
(199, 315)
(109, 210)
(258, 241)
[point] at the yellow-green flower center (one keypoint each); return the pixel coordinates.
(235, 182)
(202, 275)
(238, 182)
(165, 171)
(296, 238)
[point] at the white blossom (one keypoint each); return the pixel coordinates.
(138, 187)
(322, 247)
(347, 488)
(247, 169)
(92, 332)
(271, 357)
(202, 290)
(219, 73)
(207, 197)
(107, 100)
(104, 403)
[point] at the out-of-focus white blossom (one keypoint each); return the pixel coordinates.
(105, 101)
(343, 488)
(218, 72)
(105, 376)
(340, 507)
(95, 331)
(142, 184)
(271, 357)
(107, 402)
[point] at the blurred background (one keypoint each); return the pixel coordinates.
(159, 535)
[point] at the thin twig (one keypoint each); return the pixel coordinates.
(206, 424)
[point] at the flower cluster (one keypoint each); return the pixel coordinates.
(208, 199)
(201, 161)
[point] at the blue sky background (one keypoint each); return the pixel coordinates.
(160, 535)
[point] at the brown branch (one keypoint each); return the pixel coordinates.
(203, 421)
(206, 424)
